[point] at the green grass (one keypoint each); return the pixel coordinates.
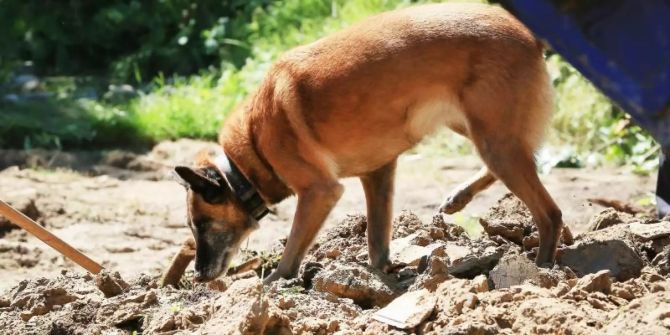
(587, 128)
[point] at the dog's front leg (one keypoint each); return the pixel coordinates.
(378, 186)
(314, 204)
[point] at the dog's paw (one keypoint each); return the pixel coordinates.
(455, 203)
(271, 278)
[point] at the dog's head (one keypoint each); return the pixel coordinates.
(216, 217)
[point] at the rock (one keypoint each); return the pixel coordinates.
(511, 220)
(439, 229)
(435, 273)
(125, 308)
(348, 238)
(662, 261)
(647, 315)
(508, 218)
(252, 314)
(404, 251)
(513, 269)
(367, 287)
(406, 224)
(480, 284)
(39, 297)
(469, 261)
(594, 253)
(531, 241)
(110, 283)
(607, 218)
(408, 310)
(650, 231)
(595, 282)
(243, 309)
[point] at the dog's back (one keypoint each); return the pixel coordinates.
(360, 97)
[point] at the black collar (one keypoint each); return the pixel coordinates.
(245, 192)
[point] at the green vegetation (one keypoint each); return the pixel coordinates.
(194, 63)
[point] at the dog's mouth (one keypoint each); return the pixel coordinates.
(215, 266)
(215, 270)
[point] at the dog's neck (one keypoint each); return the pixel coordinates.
(245, 192)
(240, 147)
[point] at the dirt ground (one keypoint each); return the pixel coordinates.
(123, 210)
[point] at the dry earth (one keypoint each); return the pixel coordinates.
(121, 209)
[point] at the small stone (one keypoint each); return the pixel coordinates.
(435, 273)
(464, 261)
(480, 284)
(333, 253)
(561, 289)
(367, 287)
(607, 218)
(650, 231)
(110, 283)
(592, 255)
(513, 269)
(408, 310)
(623, 293)
(531, 241)
(412, 248)
(26, 315)
(286, 302)
(595, 282)
(662, 261)
(220, 285)
(436, 233)
(507, 219)
(333, 326)
(471, 301)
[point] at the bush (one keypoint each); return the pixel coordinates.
(127, 40)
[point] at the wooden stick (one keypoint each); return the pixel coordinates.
(47, 237)
(179, 263)
(184, 257)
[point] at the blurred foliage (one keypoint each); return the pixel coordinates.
(588, 128)
(195, 61)
(127, 40)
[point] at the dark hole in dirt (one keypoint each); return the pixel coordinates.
(133, 326)
(648, 251)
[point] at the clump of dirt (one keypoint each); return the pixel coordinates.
(510, 220)
(442, 281)
(24, 202)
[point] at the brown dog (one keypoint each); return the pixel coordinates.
(350, 103)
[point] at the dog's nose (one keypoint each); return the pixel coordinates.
(199, 277)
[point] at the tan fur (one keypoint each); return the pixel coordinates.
(350, 103)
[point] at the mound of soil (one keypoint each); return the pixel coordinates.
(442, 282)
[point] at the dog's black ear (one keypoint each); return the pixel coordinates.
(207, 187)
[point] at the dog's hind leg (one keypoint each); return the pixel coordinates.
(464, 193)
(512, 162)
(378, 186)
